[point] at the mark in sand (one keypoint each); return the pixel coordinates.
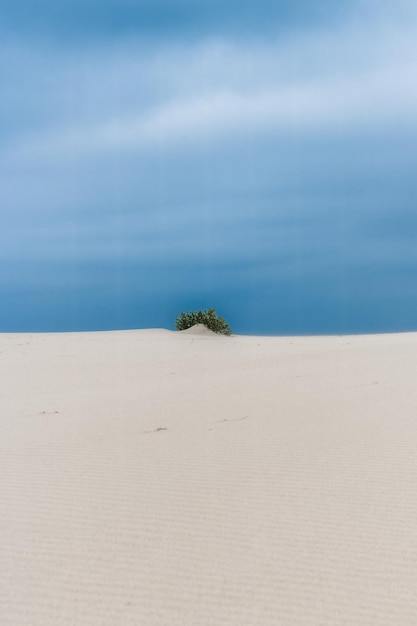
(155, 430)
(236, 419)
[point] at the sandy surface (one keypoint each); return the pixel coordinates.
(153, 478)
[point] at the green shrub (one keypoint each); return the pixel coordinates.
(209, 318)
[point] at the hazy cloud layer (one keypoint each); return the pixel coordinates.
(221, 166)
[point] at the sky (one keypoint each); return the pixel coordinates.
(167, 155)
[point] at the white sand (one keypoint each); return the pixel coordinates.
(152, 478)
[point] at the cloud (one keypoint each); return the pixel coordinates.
(173, 97)
(388, 98)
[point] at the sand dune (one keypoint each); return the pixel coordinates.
(156, 478)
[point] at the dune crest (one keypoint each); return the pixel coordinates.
(199, 329)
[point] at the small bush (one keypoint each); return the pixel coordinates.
(209, 318)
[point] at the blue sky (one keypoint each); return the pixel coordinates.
(168, 155)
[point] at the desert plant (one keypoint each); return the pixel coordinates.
(209, 318)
